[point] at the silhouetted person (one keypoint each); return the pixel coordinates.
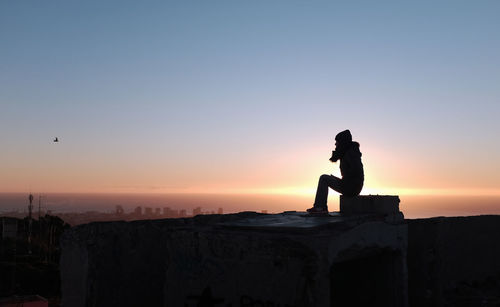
(56, 140)
(351, 169)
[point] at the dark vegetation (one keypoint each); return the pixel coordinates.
(30, 264)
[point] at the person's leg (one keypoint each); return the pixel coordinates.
(351, 189)
(326, 181)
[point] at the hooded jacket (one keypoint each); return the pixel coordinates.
(351, 166)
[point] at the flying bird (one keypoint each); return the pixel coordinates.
(56, 139)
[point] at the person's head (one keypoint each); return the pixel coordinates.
(343, 138)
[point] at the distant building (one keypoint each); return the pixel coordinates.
(182, 213)
(157, 211)
(170, 213)
(167, 211)
(148, 211)
(119, 210)
(220, 211)
(138, 211)
(196, 211)
(9, 227)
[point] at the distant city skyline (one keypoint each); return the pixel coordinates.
(237, 97)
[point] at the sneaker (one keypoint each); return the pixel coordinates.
(320, 210)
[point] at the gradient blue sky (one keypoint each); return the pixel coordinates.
(235, 96)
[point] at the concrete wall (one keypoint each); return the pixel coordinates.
(207, 261)
(454, 261)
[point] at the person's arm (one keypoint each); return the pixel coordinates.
(335, 156)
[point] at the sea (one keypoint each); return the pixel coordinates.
(412, 206)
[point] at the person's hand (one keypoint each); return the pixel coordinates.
(334, 157)
(331, 158)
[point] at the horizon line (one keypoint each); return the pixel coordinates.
(292, 191)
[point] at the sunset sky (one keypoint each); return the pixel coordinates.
(247, 96)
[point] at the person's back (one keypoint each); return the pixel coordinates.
(351, 169)
(352, 172)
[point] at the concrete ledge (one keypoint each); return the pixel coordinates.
(246, 259)
(380, 204)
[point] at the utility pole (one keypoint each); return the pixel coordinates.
(30, 209)
(39, 218)
(39, 206)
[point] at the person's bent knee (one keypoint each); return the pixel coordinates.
(324, 177)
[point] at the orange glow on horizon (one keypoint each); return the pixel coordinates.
(308, 191)
(286, 171)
